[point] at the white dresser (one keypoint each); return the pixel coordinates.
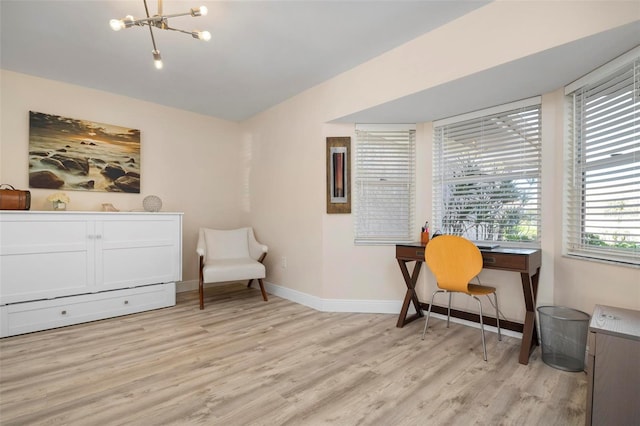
(63, 268)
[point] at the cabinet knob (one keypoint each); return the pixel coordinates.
(63, 312)
(126, 302)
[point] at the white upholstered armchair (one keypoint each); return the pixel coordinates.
(230, 255)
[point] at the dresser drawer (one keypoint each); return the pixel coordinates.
(26, 317)
(410, 252)
(504, 262)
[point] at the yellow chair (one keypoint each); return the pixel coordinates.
(455, 261)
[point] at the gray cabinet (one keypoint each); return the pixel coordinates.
(613, 367)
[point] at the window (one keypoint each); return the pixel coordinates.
(384, 184)
(486, 174)
(602, 205)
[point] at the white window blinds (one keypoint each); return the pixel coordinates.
(384, 184)
(603, 164)
(486, 174)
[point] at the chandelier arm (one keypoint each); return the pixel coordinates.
(155, 19)
(178, 30)
(147, 21)
(174, 15)
(146, 8)
(153, 39)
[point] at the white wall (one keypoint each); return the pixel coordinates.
(321, 257)
(287, 194)
(192, 162)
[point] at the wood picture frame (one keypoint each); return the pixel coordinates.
(339, 174)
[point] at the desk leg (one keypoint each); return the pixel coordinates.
(410, 296)
(529, 332)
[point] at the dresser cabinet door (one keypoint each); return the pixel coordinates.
(133, 251)
(43, 257)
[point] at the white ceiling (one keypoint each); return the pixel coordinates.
(263, 52)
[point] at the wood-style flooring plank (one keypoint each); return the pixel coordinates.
(242, 361)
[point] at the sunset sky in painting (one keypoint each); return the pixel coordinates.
(55, 126)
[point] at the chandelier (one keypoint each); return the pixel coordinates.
(160, 21)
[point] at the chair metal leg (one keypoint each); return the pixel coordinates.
(484, 347)
(449, 309)
(495, 298)
(426, 322)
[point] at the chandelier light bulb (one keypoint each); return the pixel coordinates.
(116, 24)
(157, 59)
(201, 35)
(199, 11)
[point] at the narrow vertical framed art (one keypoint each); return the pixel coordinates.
(339, 174)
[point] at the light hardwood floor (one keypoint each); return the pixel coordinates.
(243, 361)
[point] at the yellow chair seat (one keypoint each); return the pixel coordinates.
(479, 290)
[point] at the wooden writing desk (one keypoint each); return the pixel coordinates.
(525, 261)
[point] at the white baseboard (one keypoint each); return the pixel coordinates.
(365, 306)
(335, 305)
(345, 305)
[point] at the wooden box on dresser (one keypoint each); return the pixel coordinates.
(63, 268)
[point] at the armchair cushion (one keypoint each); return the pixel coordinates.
(227, 244)
(219, 270)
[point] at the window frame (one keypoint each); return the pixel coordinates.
(585, 169)
(442, 183)
(370, 175)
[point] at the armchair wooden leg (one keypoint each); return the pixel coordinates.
(264, 293)
(201, 284)
(201, 296)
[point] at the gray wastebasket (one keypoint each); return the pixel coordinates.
(564, 337)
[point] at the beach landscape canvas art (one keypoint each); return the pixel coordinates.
(73, 154)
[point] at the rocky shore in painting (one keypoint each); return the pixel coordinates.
(122, 180)
(79, 155)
